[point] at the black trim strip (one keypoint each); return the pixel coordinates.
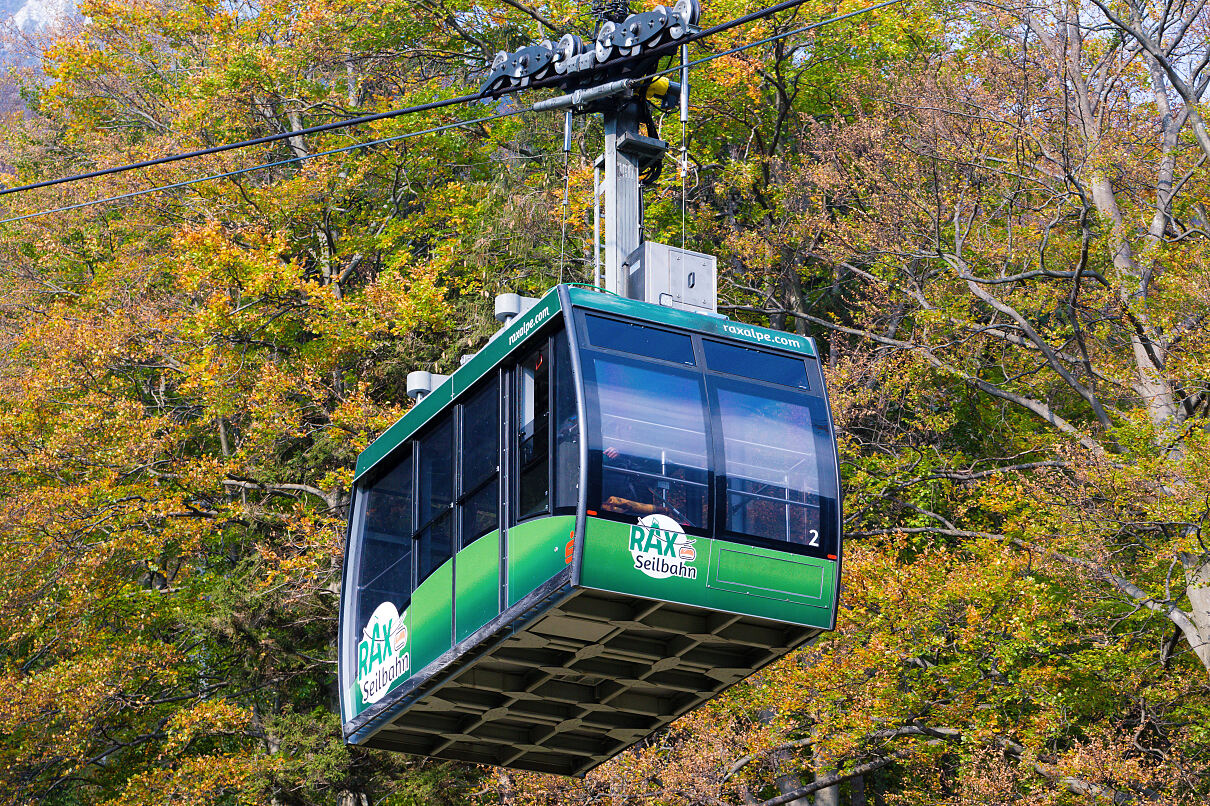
(823, 390)
(572, 329)
(347, 601)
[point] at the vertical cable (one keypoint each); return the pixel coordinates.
(566, 186)
(684, 136)
(597, 278)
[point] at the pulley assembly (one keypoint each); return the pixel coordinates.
(581, 63)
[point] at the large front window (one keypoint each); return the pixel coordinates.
(723, 438)
(650, 444)
(383, 518)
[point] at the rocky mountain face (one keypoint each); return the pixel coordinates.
(20, 19)
(30, 15)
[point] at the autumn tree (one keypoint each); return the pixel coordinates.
(992, 216)
(1001, 245)
(189, 375)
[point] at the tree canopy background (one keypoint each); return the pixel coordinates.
(992, 215)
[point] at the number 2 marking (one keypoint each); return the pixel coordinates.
(814, 541)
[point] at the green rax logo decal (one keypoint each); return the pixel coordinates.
(661, 549)
(382, 656)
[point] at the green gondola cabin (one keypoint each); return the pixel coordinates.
(608, 515)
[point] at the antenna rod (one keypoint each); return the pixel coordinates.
(684, 137)
(597, 279)
(684, 83)
(566, 186)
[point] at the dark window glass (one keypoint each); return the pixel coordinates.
(436, 473)
(480, 438)
(389, 501)
(770, 445)
(479, 513)
(639, 339)
(434, 545)
(748, 363)
(384, 523)
(534, 435)
(652, 441)
(477, 500)
(434, 537)
(567, 435)
(392, 585)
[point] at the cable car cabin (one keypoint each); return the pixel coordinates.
(611, 513)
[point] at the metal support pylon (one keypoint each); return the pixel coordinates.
(623, 204)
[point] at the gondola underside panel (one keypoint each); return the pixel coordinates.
(581, 680)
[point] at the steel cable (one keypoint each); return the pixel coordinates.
(670, 47)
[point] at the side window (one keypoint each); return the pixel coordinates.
(385, 515)
(434, 533)
(480, 464)
(771, 443)
(629, 337)
(533, 435)
(567, 432)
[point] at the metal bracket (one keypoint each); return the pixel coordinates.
(648, 149)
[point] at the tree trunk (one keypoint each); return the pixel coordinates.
(1151, 387)
(789, 783)
(828, 796)
(296, 143)
(1197, 580)
(824, 766)
(857, 790)
(784, 781)
(1170, 129)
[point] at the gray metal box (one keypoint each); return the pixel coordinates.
(675, 278)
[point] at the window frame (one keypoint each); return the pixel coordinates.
(828, 505)
(450, 419)
(362, 492)
(355, 554)
(705, 364)
(561, 351)
(516, 423)
(502, 374)
(587, 343)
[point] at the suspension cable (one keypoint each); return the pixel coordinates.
(740, 48)
(256, 141)
(757, 15)
(264, 165)
(657, 53)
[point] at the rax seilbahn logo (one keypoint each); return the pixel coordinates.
(381, 655)
(661, 549)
